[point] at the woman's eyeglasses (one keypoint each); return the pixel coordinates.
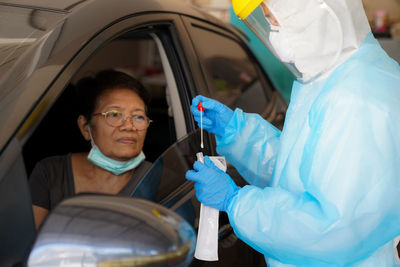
(115, 118)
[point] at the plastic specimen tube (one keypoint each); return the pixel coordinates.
(207, 235)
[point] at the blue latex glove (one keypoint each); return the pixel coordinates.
(215, 116)
(214, 187)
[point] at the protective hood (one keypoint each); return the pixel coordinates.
(315, 36)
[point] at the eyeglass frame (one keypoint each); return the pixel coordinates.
(124, 119)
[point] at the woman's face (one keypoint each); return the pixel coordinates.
(124, 142)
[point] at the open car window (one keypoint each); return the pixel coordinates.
(138, 53)
(165, 182)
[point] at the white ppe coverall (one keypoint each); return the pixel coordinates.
(326, 190)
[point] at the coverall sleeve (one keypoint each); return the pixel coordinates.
(250, 143)
(350, 204)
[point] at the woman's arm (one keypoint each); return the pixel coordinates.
(39, 215)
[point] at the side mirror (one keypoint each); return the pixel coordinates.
(93, 230)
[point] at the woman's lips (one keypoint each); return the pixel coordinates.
(127, 141)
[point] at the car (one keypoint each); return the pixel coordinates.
(176, 50)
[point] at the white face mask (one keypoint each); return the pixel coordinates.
(116, 167)
(280, 41)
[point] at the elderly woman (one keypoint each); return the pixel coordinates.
(113, 118)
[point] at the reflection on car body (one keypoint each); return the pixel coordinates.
(95, 230)
(166, 45)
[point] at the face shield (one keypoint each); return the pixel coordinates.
(305, 35)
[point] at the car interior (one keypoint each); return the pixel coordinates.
(134, 53)
(141, 55)
(138, 53)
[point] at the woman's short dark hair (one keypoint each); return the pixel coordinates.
(90, 89)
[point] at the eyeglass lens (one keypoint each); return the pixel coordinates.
(116, 119)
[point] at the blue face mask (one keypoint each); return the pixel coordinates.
(116, 167)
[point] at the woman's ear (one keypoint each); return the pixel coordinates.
(84, 127)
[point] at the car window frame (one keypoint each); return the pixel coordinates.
(72, 65)
(63, 78)
(236, 37)
(178, 52)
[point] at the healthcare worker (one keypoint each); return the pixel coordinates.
(326, 190)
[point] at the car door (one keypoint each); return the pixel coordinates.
(24, 32)
(50, 126)
(175, 71)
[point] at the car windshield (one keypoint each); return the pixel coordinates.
(20, 27)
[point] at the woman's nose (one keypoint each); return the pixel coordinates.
(129, 123)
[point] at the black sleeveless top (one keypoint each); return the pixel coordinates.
(52, 181)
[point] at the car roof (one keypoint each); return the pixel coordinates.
(63, 5)
(130, 6)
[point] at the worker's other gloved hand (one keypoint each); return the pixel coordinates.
(215, 115)
(214, 187)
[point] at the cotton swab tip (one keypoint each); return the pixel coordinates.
(200, 106)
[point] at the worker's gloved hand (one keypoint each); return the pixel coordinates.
(214, 187)
(215, 115)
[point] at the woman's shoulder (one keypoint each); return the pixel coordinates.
(50, 169)
(53, 166)
(56, 161)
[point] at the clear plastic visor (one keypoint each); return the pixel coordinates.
(259, 22)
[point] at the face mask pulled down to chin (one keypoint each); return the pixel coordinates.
(114, 166)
